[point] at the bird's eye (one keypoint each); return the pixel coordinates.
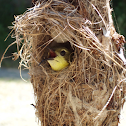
(62, 53)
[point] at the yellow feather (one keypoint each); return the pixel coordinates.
(59, 62)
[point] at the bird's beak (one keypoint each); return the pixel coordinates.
(52, 53)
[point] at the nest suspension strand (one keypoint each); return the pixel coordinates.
(89, 91)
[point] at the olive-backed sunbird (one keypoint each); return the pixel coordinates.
(59, 58)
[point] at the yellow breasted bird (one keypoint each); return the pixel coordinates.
(59, 58)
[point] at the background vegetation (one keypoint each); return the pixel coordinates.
(9, 8)
(119, 15)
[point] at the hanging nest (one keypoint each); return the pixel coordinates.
(90, 91)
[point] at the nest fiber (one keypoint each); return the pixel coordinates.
(90, 91)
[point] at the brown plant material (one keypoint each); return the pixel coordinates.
(91, 90)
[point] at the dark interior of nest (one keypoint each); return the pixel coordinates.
(42, 53)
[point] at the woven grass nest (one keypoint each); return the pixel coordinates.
(90, 91)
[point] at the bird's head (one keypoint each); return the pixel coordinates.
(59, 58)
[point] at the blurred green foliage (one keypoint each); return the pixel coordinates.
(119, 15)
(9, 8)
